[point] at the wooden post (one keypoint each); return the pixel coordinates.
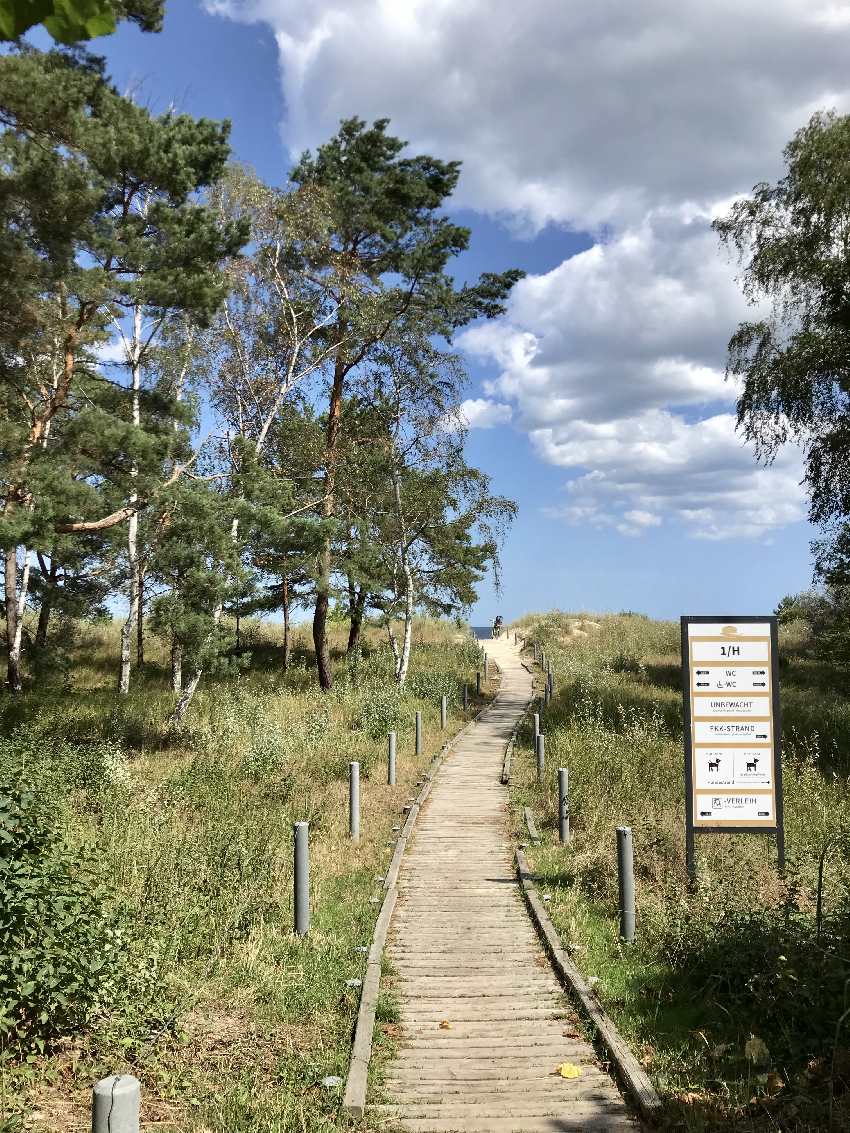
(541, 756)
(418, 732)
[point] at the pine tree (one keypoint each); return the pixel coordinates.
(383, 263)
(99, 199)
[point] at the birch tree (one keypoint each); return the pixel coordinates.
(266, 342)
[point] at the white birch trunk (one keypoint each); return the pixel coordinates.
(408, 625)
(176, 668)
(133, 522)
(22, 603)
(403, 662)
(185, 698)
(18, 636)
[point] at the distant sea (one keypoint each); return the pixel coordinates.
(483, 633)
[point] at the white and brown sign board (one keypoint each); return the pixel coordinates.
(733, 773)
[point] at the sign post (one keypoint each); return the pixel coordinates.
(733, 769)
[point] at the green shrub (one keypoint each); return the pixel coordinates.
(54, 939)
(432, 685)
(380, 712)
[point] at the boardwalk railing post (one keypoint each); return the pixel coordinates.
(626, 873)
(418, 732)
(564, 804)
(547, 695)
(485, 666)
(443, 712)
(541, 756)
(115, 1104)
(478, 683)
(354, 801)
(536, 728)
(301, 832)
(391, 759)
(465, 697)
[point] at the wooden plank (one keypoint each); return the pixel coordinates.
(354, 1098)
(483, 1020)
(531, 826)
(633, 1076)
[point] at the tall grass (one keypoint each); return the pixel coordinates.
(230, 1021)
(729, 995)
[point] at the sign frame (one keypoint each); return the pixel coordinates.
(777, 829)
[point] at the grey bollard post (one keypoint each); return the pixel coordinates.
(115, 1104)
(626, 873)
(443, 712)
(301, 831)
(478, 683)
(418, 732)
(536, 728)
(541, 756)
(564, 804)
(391, 759)
(354, 801)
(465, 697)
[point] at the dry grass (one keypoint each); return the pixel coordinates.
(240, 1021)
(736, 957)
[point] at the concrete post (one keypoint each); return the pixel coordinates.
(443, 712)
(564, 804)
(541, 756)
(626, 875)
(418, 732)
(301, 831)
(115, 1104)
(536, 728)
(354, 801)
(391, 759)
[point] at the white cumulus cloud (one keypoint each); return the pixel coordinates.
(637, 123)
(479, 413)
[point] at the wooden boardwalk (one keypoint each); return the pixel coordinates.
(485, 1022)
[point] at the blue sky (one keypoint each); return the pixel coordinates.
(596, 148)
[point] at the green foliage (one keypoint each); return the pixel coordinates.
(740, 954)
(382, 712)
(56, 944)
(790, 238)
(70, 21)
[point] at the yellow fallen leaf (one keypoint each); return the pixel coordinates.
(568, 1070)
(445, 1025)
